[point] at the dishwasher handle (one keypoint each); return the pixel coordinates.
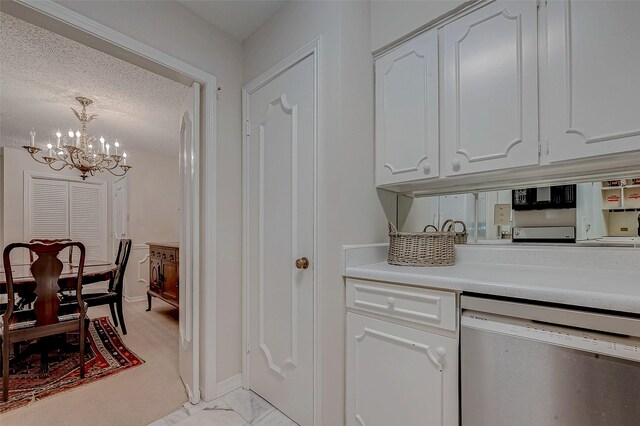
(570, 317)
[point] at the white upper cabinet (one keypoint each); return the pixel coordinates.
(407, 111)
(490, 103)
(594, 91)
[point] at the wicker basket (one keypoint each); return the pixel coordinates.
(461, 237)
(433, 248)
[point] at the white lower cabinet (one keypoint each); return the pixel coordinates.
(399, 375)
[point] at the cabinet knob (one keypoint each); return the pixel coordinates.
(426, 168)
(391, 301)
(455, 163)
(302, 263)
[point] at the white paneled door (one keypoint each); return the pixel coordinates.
(594, 95)
(189, 242)
(491, 89)
(279, 251)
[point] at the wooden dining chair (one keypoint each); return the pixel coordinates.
(49, 316)
(113, 295)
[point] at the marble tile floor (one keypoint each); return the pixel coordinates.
(237, 408)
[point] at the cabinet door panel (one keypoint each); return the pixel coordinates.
(398, 375)
(155, 272)
(407, 111)
(491, 89)
(594, 95)
(170, 279)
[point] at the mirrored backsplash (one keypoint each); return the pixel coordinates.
(600, 213)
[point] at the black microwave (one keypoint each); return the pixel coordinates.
(543, 198)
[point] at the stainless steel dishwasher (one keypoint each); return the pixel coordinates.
(525, 364)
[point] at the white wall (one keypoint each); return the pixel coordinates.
(391, 20)
(350, 210)
(173, 29)
(153, 214)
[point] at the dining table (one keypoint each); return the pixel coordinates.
(93, 272)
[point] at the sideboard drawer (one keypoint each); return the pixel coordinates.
(422, 306)
(164, 253)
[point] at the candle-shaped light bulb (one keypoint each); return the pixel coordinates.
(58, 135)
(124, 156)
(70, 133)
(78, 138)
(50, 151)
(32, 133)
(107, 146)
(102, 143)
(117, 145)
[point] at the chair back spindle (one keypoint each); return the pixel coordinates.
(122, 258)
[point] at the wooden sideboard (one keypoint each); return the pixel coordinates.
(164, 267)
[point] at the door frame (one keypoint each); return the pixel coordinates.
(311, 49)
(59, 19)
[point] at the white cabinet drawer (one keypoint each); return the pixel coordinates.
(422, 306)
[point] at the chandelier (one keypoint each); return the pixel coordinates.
(82, 152)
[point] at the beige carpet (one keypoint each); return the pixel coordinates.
(135, 397)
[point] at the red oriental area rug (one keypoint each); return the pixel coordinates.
(105, 355)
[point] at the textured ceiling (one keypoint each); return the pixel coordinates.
(238, 18)
(41, 73)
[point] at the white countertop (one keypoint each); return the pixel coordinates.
(605, 278)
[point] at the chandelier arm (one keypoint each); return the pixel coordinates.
(39, 161)
(63, 160)
(115, 165)
(57, 170)
(111, 171)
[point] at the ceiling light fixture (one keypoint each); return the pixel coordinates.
(80, 153)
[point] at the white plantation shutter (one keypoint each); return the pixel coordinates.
(75, 210)
(49, 209)
(87, 213)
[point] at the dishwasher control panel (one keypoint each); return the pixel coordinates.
(588, 341)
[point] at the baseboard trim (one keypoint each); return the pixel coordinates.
(134, 299)
(232, 383)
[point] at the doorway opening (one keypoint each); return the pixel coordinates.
(194, 342)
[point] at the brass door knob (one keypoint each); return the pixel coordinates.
(302, 263)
